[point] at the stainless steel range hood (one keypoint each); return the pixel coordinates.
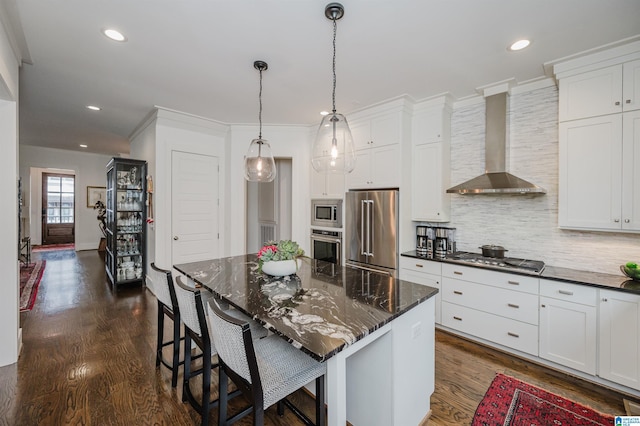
(496, 179)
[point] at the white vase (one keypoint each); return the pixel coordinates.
(279, 268)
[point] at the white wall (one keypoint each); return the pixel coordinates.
(286, 142)
(526, 225)
(10, 334)
(89, 169)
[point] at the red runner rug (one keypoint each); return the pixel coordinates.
(50, 247)
(30, 276)
(509, 401)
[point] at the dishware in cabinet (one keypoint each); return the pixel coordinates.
(125, 260)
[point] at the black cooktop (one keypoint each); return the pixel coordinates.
(532, 267)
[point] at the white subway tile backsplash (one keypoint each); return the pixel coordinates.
(526, 225)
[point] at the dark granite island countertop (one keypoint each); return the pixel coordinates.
(375, 333)
(315, 310)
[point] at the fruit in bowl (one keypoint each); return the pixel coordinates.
(631, 270)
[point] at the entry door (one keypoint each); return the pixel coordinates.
(195, 211)
(58, 206)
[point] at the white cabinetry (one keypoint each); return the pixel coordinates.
(327, 185)
(378, 136)
(599, 113)
(619, 337)
(602, 91)
(430, 168)
(599, 172)
(424, 272)
(495, 306)
(568, 325)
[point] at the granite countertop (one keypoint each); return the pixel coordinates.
(575, 276)
(320, 309)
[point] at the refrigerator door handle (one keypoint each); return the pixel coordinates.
(362, 248)
(364, 268)
(371, 228)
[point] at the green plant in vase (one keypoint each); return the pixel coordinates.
(280, 251)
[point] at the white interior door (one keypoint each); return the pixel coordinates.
(195, 216)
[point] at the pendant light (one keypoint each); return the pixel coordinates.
(333, 150)
(259, 165)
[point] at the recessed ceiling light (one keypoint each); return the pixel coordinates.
(324, 112)
(520, 44)
(114, 34)
(94, 108)
(83, 145)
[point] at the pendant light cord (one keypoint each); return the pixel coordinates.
(260, 110)
(335, 29)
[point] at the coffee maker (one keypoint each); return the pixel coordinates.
(445, 242)
(424, 241)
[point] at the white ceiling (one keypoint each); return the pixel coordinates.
(196, 56)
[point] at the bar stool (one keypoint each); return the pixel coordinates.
(167, 306)
(265, 370)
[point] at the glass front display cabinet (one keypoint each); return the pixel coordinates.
(125, 259)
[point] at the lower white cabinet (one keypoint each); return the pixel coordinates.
(568, 325)
(425, 272)
(619, 337)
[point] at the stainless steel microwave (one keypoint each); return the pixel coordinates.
(326, 212)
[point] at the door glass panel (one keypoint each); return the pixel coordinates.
(60, 199)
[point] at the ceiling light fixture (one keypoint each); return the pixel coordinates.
(333, 150)
(94, 108)
(114, 35)
(519, 45)
(259, 165)
(83, 145)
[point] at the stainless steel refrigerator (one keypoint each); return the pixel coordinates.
(371, 230)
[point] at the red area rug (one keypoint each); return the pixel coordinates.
(509, 401)
(50, 247)
(30, 276)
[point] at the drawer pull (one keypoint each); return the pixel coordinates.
(568, 293)
(514, 282)
(457, 272)
(457, 318)
(419, 265)
(512, 305)
(457, 292)
(513, 334)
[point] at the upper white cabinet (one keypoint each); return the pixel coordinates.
(599, 138)
(327, 185)
(603, 91)
(430, 161)
(619, 338)
(379, 135)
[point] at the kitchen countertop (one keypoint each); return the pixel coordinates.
(316, 310)
(555, 273)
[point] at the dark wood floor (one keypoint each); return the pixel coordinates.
(88, 358)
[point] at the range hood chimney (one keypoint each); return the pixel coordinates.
(496, 179)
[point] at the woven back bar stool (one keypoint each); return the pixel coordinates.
(266, 370)
(167, 306)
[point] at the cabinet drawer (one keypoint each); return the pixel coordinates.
(506, 280)
(574, 293)
(421, 265)
(506, 303)
(513, 334)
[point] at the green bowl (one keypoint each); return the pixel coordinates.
(634, 274)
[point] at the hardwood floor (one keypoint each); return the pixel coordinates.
(89, 358)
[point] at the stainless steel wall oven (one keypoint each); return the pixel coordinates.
(326, 245)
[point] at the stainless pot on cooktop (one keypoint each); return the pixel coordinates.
(490, 250)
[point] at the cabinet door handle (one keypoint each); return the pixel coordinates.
(512, 305)
(457, 272)
(565, 292)
(419, 265)
(628, 101)
(514, 282)
(616, 220)
(617, 103)
(604, 299)
(457, 318)
(175, 238)
(627, 221)
(543, 306)
(457, 292)
(513, 334)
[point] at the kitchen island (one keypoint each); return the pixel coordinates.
(375, 332)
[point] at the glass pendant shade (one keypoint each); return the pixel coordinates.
(333, 150)
(259, 165)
